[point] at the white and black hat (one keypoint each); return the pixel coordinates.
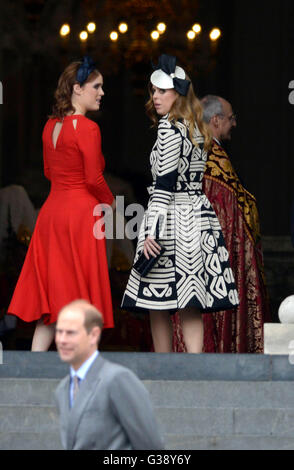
(169, 75)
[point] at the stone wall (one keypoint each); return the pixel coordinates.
(279, 270)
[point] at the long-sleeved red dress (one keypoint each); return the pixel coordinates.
(65, 261)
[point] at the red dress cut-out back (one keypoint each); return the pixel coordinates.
(65, 261)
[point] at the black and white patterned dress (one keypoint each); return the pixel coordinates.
(194, 270)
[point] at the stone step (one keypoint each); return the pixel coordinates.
(226, 421)
(185, 421)
(28, 418)
(30, 441)
(233, 442)
(187, 394)
(27, 391)
(207, 401)
(152, 366)
(201, 394)
(50, 441)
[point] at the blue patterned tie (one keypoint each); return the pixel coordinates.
(76, 386)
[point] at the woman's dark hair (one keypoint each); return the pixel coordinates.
(63, 104)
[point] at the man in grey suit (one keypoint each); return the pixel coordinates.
(102, 405)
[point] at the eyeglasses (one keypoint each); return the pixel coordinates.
(231, 118)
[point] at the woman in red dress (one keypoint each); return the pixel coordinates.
(65, 261)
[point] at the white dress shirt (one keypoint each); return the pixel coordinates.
(81, 373)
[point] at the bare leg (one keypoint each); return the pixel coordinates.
(43, 336)
(192, 327)
(162, 331)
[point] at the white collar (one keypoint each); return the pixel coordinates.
(217, 141)
(82, 371)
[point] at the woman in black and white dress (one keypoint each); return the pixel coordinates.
(193, 275)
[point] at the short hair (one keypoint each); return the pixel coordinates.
(212, 106)
(92, 315)
(92, 318)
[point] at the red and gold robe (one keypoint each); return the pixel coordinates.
(239, 330)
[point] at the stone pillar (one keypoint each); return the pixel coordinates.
(279, 337)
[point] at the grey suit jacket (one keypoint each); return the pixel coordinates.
(112, 411)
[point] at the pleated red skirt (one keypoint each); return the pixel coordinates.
(64, 262)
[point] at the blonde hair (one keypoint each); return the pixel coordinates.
(63, 104)
(188, 108)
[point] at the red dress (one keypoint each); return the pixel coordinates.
(65, 261)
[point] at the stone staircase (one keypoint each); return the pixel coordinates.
(206, 402)
(28, 418)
